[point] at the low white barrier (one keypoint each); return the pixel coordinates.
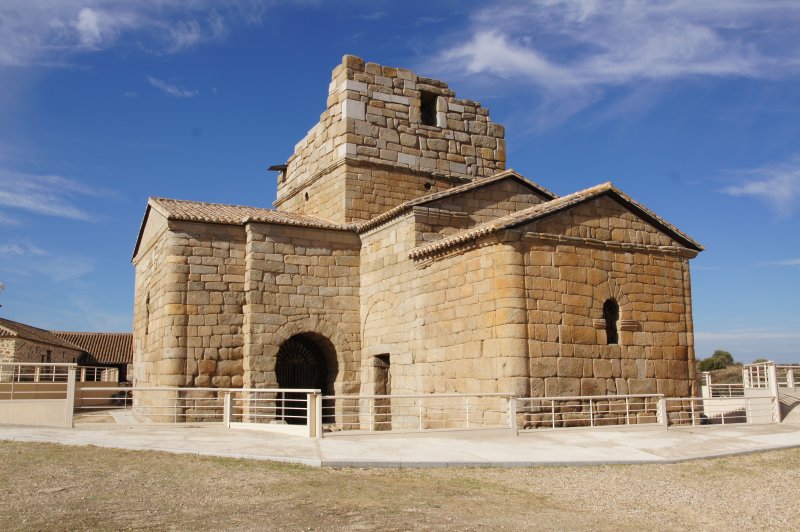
(415, 413)
(724, 390)
(587, 411)
(292, 411)
(720, 410)
(30, 372)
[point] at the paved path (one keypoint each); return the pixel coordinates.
(628, 445)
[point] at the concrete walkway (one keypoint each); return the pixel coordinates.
(629, 445)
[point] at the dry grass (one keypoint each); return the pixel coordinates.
(730, 375)
(48, 486)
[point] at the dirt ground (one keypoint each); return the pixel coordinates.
(52, 487)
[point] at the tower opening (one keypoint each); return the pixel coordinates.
(611, 315)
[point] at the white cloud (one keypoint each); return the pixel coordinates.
(747, 334)
(14, 249)
(51, 32)
(787, 262)
(22, 259)
(88, 27)
(51, 195)
(573, 52)
(778, 185)
(170, 89)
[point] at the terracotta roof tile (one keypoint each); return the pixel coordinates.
(545, 209)
(102, 348)
(476, 183)
(14, 329)
(196, 211)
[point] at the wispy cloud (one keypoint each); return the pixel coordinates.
(572, 53)
(778, 185)
(51, 195)
(747, 334)
(50, 33)
(15, 249)
(787, 262)
(170, 89)
(22, 259)
(375, 15)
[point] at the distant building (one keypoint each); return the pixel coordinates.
(113, 350)
(403, 257)
(24, 343)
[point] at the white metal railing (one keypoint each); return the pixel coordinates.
(248, 406)
(719, 411)
(756, 375)
(415, 413)
(587, 411)
(54, 372)
(96, 374)
(726, 390)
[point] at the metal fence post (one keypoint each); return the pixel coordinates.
(227, 411)
(512, 414)
(318, 416)
(661, 411)
(311, 412)
(69, 403)
(772, 377)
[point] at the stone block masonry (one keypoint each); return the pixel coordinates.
(373, 129)
(402, 258)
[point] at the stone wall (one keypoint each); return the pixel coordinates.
(491, 201)
(571, 277)
(373, 127)
(156, 276)
(389, 318)
(6, 350)
(22, 350)
(451, 215)
(473, 330)
(302, 281)
(539, 294)
(190, 334)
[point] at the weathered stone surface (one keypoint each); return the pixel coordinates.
(522, 310)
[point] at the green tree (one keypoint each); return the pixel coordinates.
(718, 360)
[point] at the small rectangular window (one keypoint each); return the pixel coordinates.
(427, 108)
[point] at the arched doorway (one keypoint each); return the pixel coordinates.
(300, 363)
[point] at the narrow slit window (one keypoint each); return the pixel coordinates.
(611, 315)
(427, 108)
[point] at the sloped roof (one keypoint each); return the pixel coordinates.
(197, 211)
(219, 213)
(460, 189)
(103, 348)
(14, 329)
(551, 207)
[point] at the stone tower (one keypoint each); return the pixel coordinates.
(387, 136)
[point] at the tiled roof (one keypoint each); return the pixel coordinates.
(196, 211)
(544, 209)
(103, 348)
(476, 183)
(13, 329)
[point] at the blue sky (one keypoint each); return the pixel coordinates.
(692, 108)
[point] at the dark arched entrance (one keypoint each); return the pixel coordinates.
(300, 364)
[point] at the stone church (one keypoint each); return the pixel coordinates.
(403, 257)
